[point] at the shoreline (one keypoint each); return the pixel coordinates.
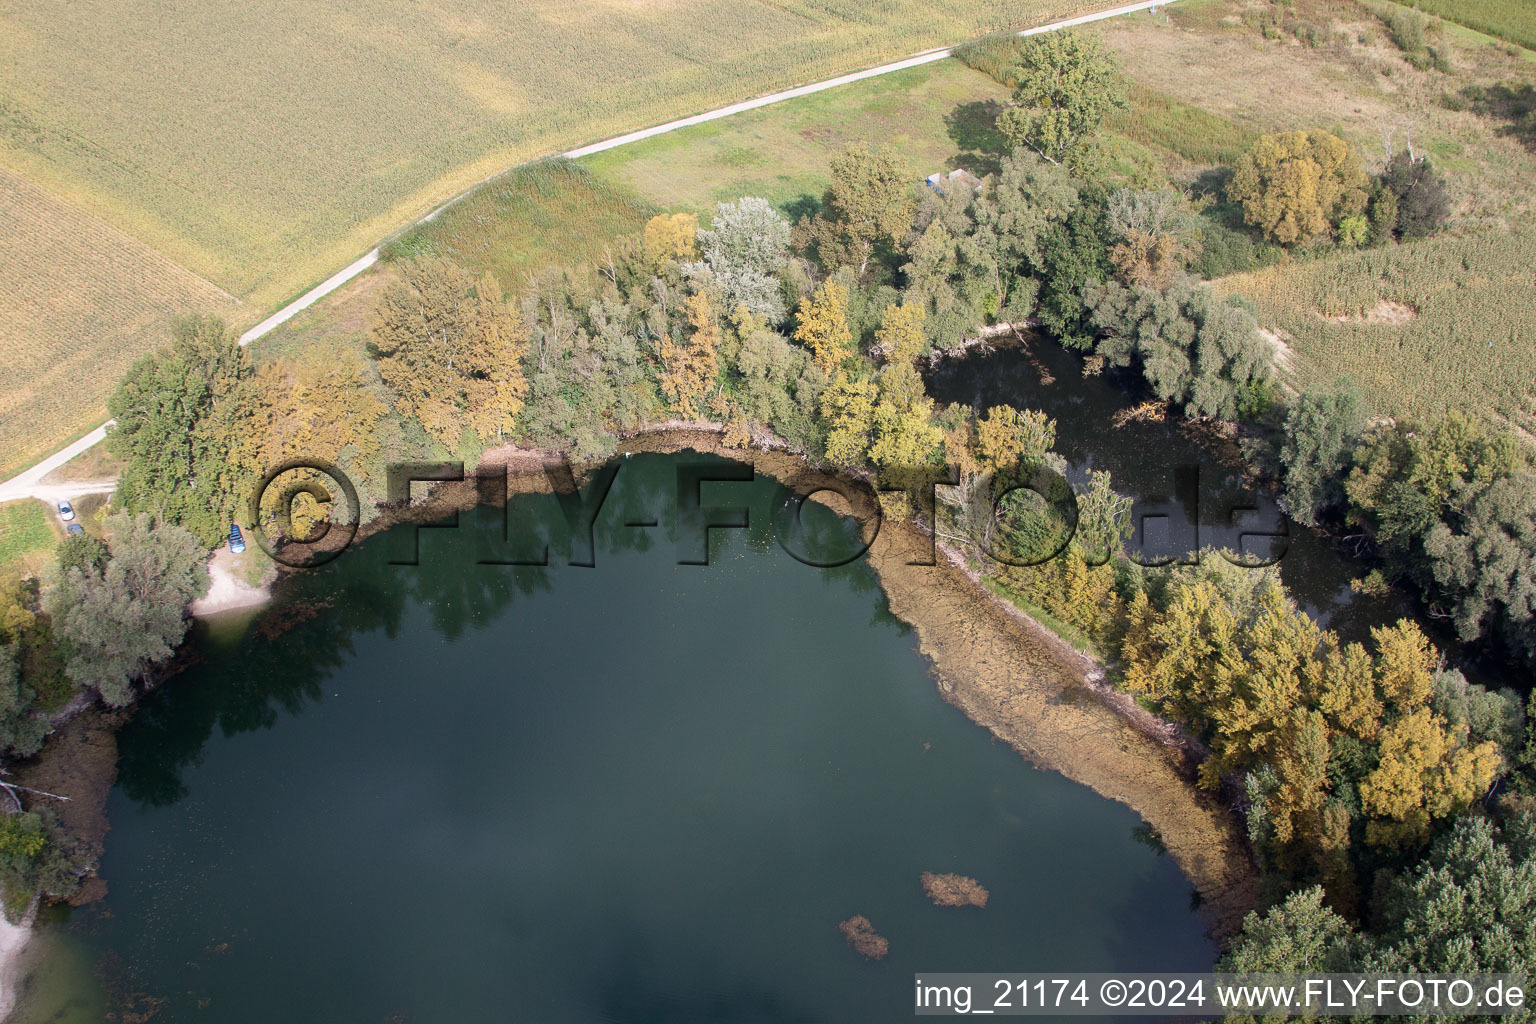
(997, 665)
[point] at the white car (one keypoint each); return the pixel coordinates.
(66, 511)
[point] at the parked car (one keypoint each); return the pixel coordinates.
(73, 529)
(66, 511)
(236, 540)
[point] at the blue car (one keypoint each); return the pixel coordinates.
(236, 541)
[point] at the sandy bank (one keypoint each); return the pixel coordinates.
(226, 591)
(13, 941)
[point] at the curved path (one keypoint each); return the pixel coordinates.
(28, 483)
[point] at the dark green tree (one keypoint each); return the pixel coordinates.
(1067, 85)
(117, 623)
(174, 429)
(1423, 202)
(1322, 428)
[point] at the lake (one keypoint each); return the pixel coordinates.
(636, 792)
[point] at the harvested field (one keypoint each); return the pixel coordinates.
(79, 302)
(265, 144)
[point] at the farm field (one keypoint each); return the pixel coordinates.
(1450, 321)
(1514, 20)
(383, 111)
(79, 301)
(928, 113)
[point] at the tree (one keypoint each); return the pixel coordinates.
(451, 350)
(1423, 202)
(38, 855)
(117, 624)
(21, 731)
(327, 404)
(1322, 429)
(81, 551)
(1467, 907)
(690, 367)
(174, 425)
(745, 249)
(823, 326)
(1425, 772)
(1067, 85)
(1295, 186)
(849, 407)
(1193, 347)
(669, 238)
(868, 204)
(1487, 566)
(1007, 438)
(1299, 936)
(1029, 199)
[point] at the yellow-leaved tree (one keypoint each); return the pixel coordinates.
(1295, 186)
(451, 349)
(689, 367)
(823, 326)
(670, 238)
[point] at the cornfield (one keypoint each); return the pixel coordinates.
(1514, 20)
(264, 144)
(1450, 321)
(79, 301)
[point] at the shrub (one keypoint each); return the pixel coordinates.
(1423, 204)
(1408, 28)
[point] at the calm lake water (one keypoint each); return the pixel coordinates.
(631, 793)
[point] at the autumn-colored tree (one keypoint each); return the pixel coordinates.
(1007, 438)
(319, 403)
(451, 350)
(691, 366)
(669, 238)
(1295, 186)
(1155, 261)
(1426, 772)
(848, 404)
(823, 326)
(494, 393)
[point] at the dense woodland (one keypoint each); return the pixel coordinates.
(1377, 786)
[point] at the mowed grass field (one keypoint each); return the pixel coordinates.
(550, 211)
(27, 538)
(937, 116)
(1421, 328)
(265, 144)
(79, 301)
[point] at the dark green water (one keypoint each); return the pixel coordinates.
(638, 792)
